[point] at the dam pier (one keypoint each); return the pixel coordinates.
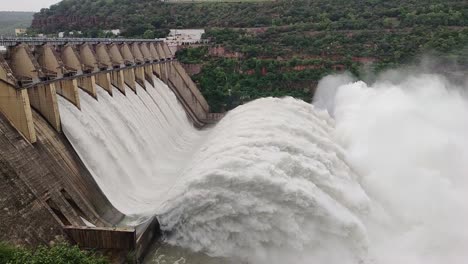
(46, 191)
(34, 70)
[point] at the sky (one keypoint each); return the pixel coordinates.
(25, 5)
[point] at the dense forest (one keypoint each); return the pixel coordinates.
(276, 48)
(285, 61)
(136, 16)
(11, 20)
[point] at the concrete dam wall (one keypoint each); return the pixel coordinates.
(46, 192)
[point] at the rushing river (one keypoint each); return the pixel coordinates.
(366, 174)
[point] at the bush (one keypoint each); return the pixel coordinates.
(58, 254)
(7, 252)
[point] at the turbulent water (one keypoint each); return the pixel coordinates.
(281, 181)
(135, 145)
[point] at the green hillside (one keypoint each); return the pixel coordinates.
(137, 16)
(11, 20)
(283, 47)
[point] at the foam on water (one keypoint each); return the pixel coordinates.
(269, 182)
(280, 181)
(406, 138)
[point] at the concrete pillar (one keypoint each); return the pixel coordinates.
(146, 53)
(15, 106)
(129, 77)
(70, 58)
(172, 73)
(160, 50)
(148, 68)
(43, 98)
(157, 70)
(127, 54)
(14, 103)
(149, 74)
(129, 60)
(140, 76)
(105, 62)
(23, 64)
(117, 79)
(104, 80)
(6, 74)
(88, 58)
(88, 84)
(167, 51)
(156, 58)
(169, 68)
(135, 48)
(69, 90)
(154, 52)
(52, 66)
(103, 57)
(164, 71)
(116, 56)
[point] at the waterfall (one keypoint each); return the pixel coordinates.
(134, 145)
(370, 174)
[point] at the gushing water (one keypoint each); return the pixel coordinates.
(134, 145)
(280, 181)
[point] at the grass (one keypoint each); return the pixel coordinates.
(7, 252)
(60, 253)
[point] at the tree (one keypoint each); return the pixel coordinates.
(149, 34)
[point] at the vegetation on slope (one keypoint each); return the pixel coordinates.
(284, 61)
(228, 82)
(134, 17)
(57, 254)
(11, 20)
(281, 47)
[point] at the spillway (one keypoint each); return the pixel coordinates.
(135, 145)
(281, 181)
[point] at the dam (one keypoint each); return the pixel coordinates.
(108, 144)
(47, 188)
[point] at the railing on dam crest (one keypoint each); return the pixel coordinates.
(13, 41)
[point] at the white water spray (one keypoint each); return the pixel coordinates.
(406, 138)
(278, 181)
(133, 145)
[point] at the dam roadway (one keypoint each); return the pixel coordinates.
(46, 190)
